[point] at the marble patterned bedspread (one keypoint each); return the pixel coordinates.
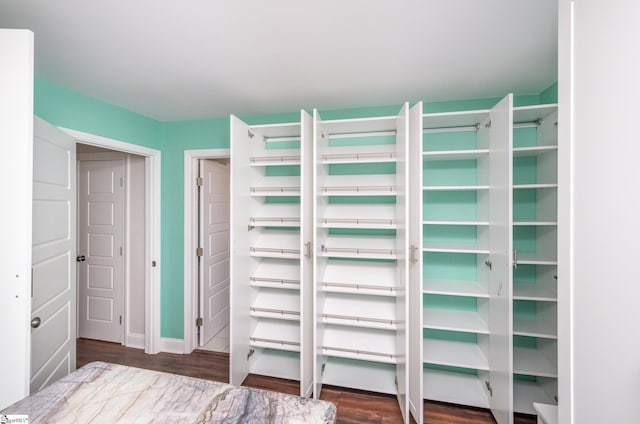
(101, 392)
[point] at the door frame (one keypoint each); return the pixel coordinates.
(152, 227)
(191, 158)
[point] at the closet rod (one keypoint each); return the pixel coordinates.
(530, 124)
(475, 127)
(273, 189)
(273, 311)
(358, 188)
(279, 139)
(273, 280)
(360, 352)
(280, 342)
(362, 134)
(275, 159)
(281, 220)
(359, 286)
(358, 319)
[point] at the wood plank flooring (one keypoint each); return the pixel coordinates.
(353, 406)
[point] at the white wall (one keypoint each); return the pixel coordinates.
(606, 219)
(16, 166)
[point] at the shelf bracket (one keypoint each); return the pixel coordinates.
(322, 369)
(250, 227)
(251, 352)
(489, 264)
(251, 135)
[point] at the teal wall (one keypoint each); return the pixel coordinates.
(70, 109)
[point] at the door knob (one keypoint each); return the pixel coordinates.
(35, 322)
(80, 258)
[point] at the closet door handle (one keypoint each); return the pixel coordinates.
(307, 246)
(515, 259)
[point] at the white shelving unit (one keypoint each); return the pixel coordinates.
(414, 255)
(535, 158)
(272, 292)
(461, 171)
(360, 210)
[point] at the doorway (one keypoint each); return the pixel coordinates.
(111, 245)
(206, 252)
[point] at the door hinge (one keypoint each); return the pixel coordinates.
(199, 322)
(199, 251)
(121, 250)
(487, 384)
(322, 369)
(395, 381)
(120, 319)
(199, 181)
(121, 182)
(251, 352)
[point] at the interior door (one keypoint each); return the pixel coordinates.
(239, 326)
(53, 303)
(214, 239)
(100, 249)
(500, 275)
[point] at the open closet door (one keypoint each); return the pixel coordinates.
(239, 263)
(318, 299)
(500, 382)
(306, 262)
(416, 404)
(402, 267)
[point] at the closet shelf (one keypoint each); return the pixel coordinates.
(454, 354)
(534, 327)
(455, 248)
(533, 113)
(454, 320)
(373, 216)
(456, 188)
(358, 321)
(438, 155)
(335, 128)
(456, 288)
(360, 375)
(359, 185)
(525, 393)
(452, 120)
(277, 334)
(534, 186)
(527, 291)
(535, 223)
(276, 186)
(524, 258)
(276, 273)
(365, 355)
(454, 387)
(527, 361)
(534, 150)
(277, 244)
(360, 311)
(467, 223)
(360, 343)
(356, 277)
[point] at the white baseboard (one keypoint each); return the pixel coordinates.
(171, 345)
(135, 341)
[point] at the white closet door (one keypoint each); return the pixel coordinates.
(501, 247)
(306, 260)
(239, 273)
(318, 358)
(402, 267)
(416, 404)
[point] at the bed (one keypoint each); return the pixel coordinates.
(101, 392)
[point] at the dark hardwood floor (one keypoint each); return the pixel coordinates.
(353, 406)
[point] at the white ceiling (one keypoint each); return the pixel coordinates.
(188, 59)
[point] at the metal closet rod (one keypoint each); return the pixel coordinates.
(359, 286)
(255, 159)
(475, 127)
(360, 134)
(279, 139)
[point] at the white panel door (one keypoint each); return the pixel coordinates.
(240, 319)
(306, 263)
(402, 262)
(415, 263)
(214, 239)
(53, 302)
(100, 242)
(501, 247)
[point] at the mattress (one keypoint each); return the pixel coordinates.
(101, 392)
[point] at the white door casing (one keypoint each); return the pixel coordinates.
(100, 241)
(214, 237)
(53, 342)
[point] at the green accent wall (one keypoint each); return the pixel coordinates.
(70, 109)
